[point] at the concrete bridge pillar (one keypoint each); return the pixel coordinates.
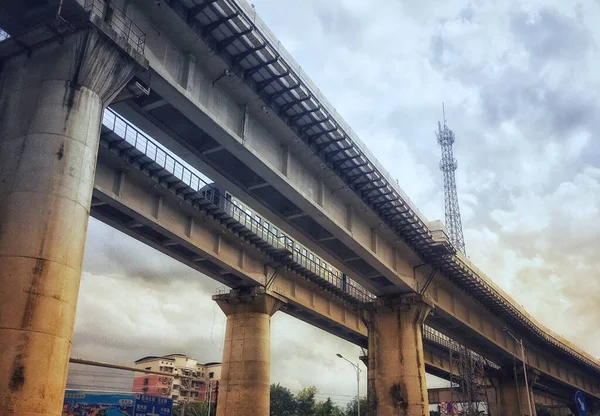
(396, 370)
(50, 110)
(511, 394)
(244, 387)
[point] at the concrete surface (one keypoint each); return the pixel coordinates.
(244, 388)
(396, 373)
(50, 108)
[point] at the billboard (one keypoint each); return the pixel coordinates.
(152, 405)
(86, 403)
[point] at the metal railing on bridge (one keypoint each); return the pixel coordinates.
(120, 23)
(149, 156)
(445, 341)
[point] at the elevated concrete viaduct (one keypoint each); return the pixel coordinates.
(216, 86)
(156, 207)
(232, 130)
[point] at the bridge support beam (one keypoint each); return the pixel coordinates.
(511, 394)
(50, 109)
(396, 370)
(245, 377)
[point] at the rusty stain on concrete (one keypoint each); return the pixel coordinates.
(17, 378)
(61, 151)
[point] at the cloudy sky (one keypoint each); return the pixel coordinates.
(519, 80)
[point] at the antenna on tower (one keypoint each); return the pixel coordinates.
(448, 166)
(444, 112)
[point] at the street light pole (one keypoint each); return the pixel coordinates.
(357, 368)
(520, 342)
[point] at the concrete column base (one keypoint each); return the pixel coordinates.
(244, 388)
(396, 370)
(50, 110)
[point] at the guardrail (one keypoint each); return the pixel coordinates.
(299, 255)
(117, 19)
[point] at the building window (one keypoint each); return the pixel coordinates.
(146, 381)
(211, 375)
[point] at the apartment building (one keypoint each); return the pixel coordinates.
(188, 380)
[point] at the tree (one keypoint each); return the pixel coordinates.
(352, 407)
(328, 408)
(283, 402)
(194, 409)
(305, 401)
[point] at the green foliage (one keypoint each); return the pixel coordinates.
(352, 407)
(285, 403)
(305, 401)
(328, 408)
(194, 409)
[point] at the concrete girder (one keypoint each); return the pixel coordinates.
(207, 246)
(136, 203)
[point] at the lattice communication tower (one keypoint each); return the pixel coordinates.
(448, 165)
(468, 381)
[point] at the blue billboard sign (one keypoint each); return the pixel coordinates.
(86, 403)
(146, 405)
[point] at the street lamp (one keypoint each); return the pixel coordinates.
(357, 368)
(520, 342)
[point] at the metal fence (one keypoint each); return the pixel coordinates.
(267, 233)
(117, 19)
(436, 336)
